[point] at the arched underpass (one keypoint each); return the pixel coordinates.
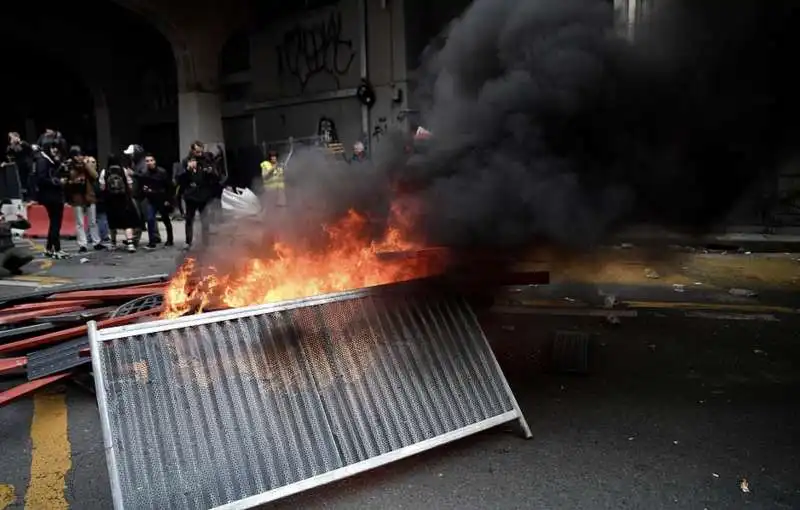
(104, 85)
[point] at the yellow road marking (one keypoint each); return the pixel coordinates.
(50, 457)
(34, 246)
(44, 264)
(42, 279)
(7, 496)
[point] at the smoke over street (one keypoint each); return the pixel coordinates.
(549, 125)
(550, 129)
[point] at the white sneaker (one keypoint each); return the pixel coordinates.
(131, 248)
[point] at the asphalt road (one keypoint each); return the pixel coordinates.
(674, 414)
(684, 400)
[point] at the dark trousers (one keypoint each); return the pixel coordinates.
(192, 208)
(55, 215)
(159, 207)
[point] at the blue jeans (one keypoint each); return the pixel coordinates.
(102, 226)
(152, 226)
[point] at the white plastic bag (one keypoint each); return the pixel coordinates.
(240, 202)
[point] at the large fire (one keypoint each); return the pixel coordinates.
(349, 261)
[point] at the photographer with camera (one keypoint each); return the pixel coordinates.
(198, 183)
(81, 196)
(50, 176)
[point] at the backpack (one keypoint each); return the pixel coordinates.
(115, 184)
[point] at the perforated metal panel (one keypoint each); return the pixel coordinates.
(236, 408)
(139, 304)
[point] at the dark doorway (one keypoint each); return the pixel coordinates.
(41, 93)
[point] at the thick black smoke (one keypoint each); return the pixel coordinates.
(549, 124)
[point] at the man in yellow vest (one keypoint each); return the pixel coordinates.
(273, 179)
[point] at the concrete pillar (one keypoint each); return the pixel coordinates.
(199, 118)
(30, 130)
(199, 102)
(102, 120)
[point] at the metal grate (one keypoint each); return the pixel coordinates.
(139, 304)
(571, 352)
(237, 408)
(58, 358)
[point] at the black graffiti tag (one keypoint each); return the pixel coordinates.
(307, 51)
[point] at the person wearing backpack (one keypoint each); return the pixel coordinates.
(116, 184)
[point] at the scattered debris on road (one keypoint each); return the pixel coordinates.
(652, 274)
(43, 333)
(744, 485)
(743, 293)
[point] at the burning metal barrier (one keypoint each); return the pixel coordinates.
(236, 408)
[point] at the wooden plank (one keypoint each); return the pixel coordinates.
(25, 330)
(29, 387)
(11, 364)
(30, 344)
(14, 318)
(44, 305)
(106, 294)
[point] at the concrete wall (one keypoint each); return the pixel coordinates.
(308, 66)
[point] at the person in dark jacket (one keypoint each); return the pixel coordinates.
(100, 203)
(198, 184)
(51, 176)
(20, 153)
(116, 184)
(53, 137)
(157, 190)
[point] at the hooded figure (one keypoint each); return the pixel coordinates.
(50, 176)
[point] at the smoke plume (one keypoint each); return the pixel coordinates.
(549, 124)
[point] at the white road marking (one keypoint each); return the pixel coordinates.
(766, 317)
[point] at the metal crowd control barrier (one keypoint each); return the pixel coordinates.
(237, 408)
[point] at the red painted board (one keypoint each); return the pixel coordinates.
(65, 334)
(105, 294)
(11, 364)
(29, 387)
(45, 305)
(13, 318)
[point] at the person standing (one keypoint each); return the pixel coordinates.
(359, 152)
(50, 180)
(198, 184)
(81, 196)
(272, 180)
(116, 183)
(156, 186)
(20, 152)
(134, 156)
(100, 205)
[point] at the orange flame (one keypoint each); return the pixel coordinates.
(349, 261)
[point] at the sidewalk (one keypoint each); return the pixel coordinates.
(742, 238)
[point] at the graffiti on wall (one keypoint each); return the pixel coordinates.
(316, 49)
(381, 129)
